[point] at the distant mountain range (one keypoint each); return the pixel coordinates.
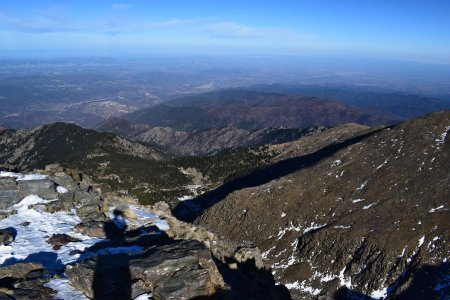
(253, 110)
(399, 106)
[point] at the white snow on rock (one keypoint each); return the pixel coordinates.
(34, 227)
(303, 287)
(369, 206)
(380, 166)
(19, 176)
(61, 189)
(435, 209)
(441, 139)
(64, 290)
(357, 200)
(144, 217)
(362, 185)
(336, 163)
(313, 226)
(30, 242)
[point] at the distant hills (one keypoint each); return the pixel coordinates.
(253, 110)
(202, 141)
(398, 105)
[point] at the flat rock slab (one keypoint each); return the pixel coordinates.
(44, 188)
(176, 270)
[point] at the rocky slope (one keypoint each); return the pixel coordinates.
(367, 216)
(118, 163)
(61, 238)
(253, 110)
(201, 142)
(34, 148)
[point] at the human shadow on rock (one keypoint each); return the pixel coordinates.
(189, 210)
(114, 275)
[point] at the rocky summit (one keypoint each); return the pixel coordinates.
(62, 238)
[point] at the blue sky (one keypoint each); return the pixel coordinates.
(411, 30)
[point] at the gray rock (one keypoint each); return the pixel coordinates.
(44, 188)
(176, 270)
(59, 240)
(92, 229)
(20, 270)
(64, 180)
(58, 205)
(91, 213)
(7, 236)
(36, 293)
(9, 194)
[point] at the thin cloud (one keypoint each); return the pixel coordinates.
(121, 6)
(230, 30)
(163, 24)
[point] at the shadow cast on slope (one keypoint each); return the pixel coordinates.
(189, 210)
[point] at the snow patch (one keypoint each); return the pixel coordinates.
(22, 177)
(61, 189)
(380, 166)
(441, 139)
(302, 287)
(336, 163)
(64, 290)
(435, 209)
(313, 226)
(379, 294)
(362, 185)
(369, 206)
(358, 200)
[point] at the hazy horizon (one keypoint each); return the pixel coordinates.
(404, 30)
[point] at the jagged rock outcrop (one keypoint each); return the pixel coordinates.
(367, 214)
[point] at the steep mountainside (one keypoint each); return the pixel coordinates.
(368, 215)
(34, 148)
(253, 110)
(201, 142)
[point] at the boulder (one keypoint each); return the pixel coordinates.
(37, 293)
(64, 180)
(7, 236)
(9, 193)
(53, 168)
(91, 213)
(44, 188)
(92, 229)
(20, 271)
(64, 204)
(59, 240)
(174, 270)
